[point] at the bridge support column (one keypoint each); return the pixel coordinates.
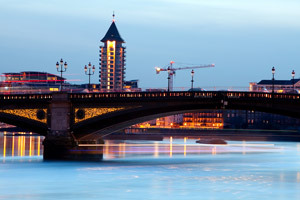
(60, 144)
(68, 149)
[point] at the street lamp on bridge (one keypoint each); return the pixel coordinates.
(192, 81)
(89, 73)
(273, 73)
(293, 75)
(63, 68)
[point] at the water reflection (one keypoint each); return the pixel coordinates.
(21, 144)
(30, 145)
(135, 169)
(179, 146)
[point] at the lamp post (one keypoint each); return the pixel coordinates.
(169, 71)
(192, 81)
(63, 68)
(293, 75)
(89, 73)
(273, 73)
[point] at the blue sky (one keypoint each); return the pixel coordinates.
(244, 38)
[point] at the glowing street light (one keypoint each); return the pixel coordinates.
(89, 67)
(273, 73)
(293, 75)
(192, 81)
(63, 68)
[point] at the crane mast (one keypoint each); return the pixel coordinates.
(171, 72)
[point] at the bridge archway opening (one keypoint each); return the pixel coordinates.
(119, 122)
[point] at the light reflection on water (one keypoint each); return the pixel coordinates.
(170, 169)
(21, 145)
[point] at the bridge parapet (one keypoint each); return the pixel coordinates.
(166, 95)
(26, 97)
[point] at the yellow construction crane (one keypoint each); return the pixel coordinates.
(171, 71)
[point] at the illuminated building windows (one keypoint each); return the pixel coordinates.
(112, 46)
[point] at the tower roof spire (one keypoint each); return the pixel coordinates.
(112, 34)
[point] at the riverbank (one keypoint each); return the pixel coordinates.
(227, 134)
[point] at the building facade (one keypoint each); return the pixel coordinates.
(279, 86)
(112, 61)
(30, 81)
(205, 119)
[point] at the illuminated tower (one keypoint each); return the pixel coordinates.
(112, 60)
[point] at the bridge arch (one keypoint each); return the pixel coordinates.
(104, 113)
(24, 123)
(114, 121)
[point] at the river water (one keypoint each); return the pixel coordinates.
(176, 168)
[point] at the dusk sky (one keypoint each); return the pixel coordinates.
(244, 39)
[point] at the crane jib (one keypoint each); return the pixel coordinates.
(171, 72)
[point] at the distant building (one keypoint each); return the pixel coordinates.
(32, 77)
(225, 119)
(30, 80)
(280, 86)
(132, 86)
(250, 119)
(169, 121)
(205, 119)
(112, 61)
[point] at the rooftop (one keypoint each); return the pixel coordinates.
(278, 82)
(112, 34)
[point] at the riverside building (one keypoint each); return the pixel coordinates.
(112, 61)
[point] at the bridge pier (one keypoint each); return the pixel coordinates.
(59, 143)
(65, 148)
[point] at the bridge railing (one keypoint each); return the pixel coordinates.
(202, 94)
(26, 96)
(160, 95)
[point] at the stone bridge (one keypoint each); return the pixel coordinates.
(66, 119)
